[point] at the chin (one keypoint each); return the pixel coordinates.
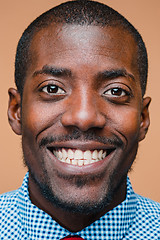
(78, 205)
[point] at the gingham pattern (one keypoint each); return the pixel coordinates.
(135, 218)
(72, 238)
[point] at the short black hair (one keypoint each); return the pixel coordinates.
(78, 12)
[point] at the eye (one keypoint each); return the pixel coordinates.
(116, 92)
(52, 89)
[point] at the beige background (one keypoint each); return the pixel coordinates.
(145, 16)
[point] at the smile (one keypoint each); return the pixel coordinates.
(79, 157)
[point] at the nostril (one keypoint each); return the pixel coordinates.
(84, 110)
(83, 120)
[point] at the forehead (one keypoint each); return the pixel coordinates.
(76, 45)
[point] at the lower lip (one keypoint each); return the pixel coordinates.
(68, 169)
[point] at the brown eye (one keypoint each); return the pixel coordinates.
(116, 92)
(53, 89)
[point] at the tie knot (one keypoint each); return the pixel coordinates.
(72, 238)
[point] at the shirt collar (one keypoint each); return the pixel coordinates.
(113, 225)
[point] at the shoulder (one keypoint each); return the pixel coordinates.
(148, 207)
(8, 199)
(146, 223)
(8, 206)
(10, 220)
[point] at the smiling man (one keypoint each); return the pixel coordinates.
(80, 72)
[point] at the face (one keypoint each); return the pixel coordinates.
(82, 113)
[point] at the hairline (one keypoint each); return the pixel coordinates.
(63, 23)
(36, 26)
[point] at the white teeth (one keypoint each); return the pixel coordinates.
(74, 161)
(68, 160)
(95, 154)
(100, 154)
(63, 160)
(79, 157)
(78, 154)
(80, 162)
(64, 153)
(70, 154)
(93, 161)
(86, 162)
(104, 155)
(87, 155)
(60, 154)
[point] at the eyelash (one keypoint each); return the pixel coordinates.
(47, 88)
(116, 89)
(116, 94)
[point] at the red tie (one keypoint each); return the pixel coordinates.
(72, 238)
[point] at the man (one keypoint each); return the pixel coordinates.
(80, 72)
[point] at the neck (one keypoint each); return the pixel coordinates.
(73, 222)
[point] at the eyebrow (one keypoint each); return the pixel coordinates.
(64, 72)
(53, 71)
(114, 73)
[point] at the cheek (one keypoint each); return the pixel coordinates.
(38, 117)
(128, 122)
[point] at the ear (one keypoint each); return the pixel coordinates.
(14, 110)
(145, 120)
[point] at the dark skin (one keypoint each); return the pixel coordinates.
(84, 78)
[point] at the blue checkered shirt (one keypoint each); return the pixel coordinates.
(135, 218)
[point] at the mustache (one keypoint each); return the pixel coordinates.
(82, 136)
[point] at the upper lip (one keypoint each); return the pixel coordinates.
(81, 145)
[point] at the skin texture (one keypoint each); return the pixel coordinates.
(90, 108)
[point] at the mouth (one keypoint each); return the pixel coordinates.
(79, 157)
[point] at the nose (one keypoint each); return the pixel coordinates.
(83, 112)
